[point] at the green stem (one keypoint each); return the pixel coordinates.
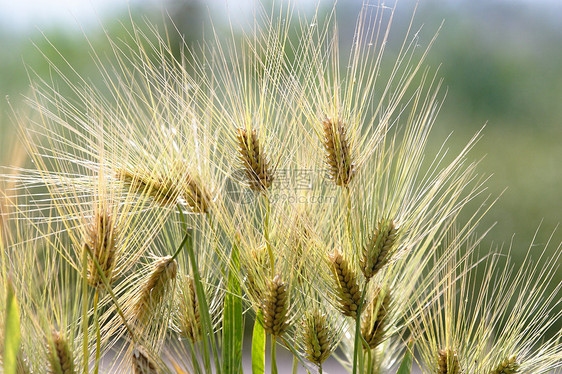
(358, 337)
(266, 235)
(295, 364)
(85, 351)
(320, 369)
(369, 361)
(273, 355)
(98, 333)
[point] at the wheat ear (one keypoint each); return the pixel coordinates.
(102, 240)
(142, 364)
(448, 362)
(379, 248)
(347, 288)
(508, 366)
(276, 307)
(255, 164)
(373, 324)
(60, 359)
(339, 159)
(316, 337)
(191, 319)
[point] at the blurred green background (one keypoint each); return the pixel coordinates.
(501, 62)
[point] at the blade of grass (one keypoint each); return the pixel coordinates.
(258, 347)
(233, 321)
(406, 365)
(12, 332)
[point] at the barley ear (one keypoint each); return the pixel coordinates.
(316, 337)
(448, 362)
(190, 323)
(339, 159)
(162, 189)
(255, 164)
(378, 250)
(154, 287)
(102, 241)
(142, 364)
(276, 307)
(508, 366)
(196, 196)
(374, 321)
(60, 357)
(348, 293)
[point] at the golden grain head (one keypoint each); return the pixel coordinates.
(102, 239)
(448, 362)
(316, 337)
(340, 162)
(375, 319)
(162, 188)
(60, 357)
(256, 269)
(379, 248)
(275, 308)
(189, 319)
(508, 366)
(154, 288)
(255, 164)
(347, 289)
(142, 363)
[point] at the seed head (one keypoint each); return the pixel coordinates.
(373, 324)
(255, 164)
(316, 337)
(142, 364)
(347, 288)
(379, 248)
(154, 288)
(60, 357)
(508, 366)
(190, 323)
(102, 240)
(448, 362)
(162, 189)
(276, 307)
(338, 154)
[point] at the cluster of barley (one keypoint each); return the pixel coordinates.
(268, 180)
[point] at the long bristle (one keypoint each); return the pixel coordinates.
(448, 362)
(338, 153)
(255, 164)
(60, 359)
(276, 307)
(508, 366)
(378, 250)
(374, 321)
(102, 240)
(347, 287)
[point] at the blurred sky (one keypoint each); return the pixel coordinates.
(18, 15)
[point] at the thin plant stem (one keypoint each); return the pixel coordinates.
(98, 334)
(295, 364)
(358, 338)
(369, 361)
(273, 355)
(266, 235)
(85, 350)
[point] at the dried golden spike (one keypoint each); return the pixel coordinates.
(373, 324)
(190, 325)
(448, 362)
(508, 366)
(164, 271)
(276, 307)
(257, 267)
(162, 189)
(316, 337)
(196, 196)
(102, 241)
(378, 250)
(142, 364)
(338, 154)
(60, 358)
(254, 161)
(347, 287)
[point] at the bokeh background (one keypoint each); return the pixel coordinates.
(501, 62)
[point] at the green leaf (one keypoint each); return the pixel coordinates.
(406, 365)
(12, 334)
(258, 347)
(233, 321)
